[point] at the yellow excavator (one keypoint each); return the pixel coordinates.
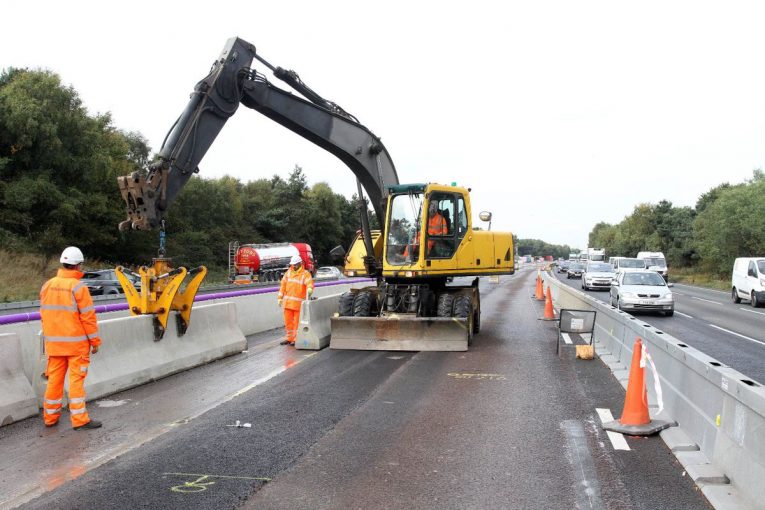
(427, 244)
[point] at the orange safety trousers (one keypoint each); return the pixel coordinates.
(291, 321)
(54, 393)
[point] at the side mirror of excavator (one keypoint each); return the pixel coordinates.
(337, 253)
(485, 216)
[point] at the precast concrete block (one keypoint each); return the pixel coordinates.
(724, 497)
(677, 440)
(129, 356)
(314, 328)
(17, 398)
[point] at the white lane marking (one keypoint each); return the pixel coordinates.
(738, 334)
(617, 440)
(751, 311)
(677, 293)
(683, 314)
(706, 300)
(566, 338)
(701, 288)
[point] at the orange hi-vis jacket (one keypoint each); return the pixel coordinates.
(295, 285)
(436, 227)
(67, 314)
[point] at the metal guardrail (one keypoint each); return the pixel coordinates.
(21, 305)
(116, 305)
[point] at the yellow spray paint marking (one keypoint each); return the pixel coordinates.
(200, 484)
(480, 377)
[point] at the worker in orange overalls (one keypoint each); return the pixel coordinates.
(436, 227)
(70, 331)
(297, 284)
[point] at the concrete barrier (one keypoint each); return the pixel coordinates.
(129, 356)
(17, 399)
(314, 328)
(252, 313)
(718, 408)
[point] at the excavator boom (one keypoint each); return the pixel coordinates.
(232, 82)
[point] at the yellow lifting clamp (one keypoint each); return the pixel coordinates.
(160, 293)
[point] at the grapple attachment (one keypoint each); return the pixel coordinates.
(160, 293)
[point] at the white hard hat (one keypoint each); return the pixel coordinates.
(72, 256)
(296, 260)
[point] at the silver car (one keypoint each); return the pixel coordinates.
(641, 290)
(328, 273)
(597, 275)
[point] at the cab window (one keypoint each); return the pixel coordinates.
(462, 224)
(442, 225)
(403, 229)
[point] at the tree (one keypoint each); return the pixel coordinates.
(732, 226)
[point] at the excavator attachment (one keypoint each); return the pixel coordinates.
(184, 300)
(159, 293)
(400, 333)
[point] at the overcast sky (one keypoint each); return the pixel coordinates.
(557, 114)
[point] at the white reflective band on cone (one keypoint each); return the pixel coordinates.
(656, 382)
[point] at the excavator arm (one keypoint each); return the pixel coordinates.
(215, 98)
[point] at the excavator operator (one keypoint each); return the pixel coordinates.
(436, 227)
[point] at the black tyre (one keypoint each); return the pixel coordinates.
(734, 296)
(463, 305)
(345, 304)
(669, 313)
(755, 301)
(445, 305)
(362, 305)
(477, 315)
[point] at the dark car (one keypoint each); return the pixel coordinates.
(575, 270)
(104, 283)
(563, 266)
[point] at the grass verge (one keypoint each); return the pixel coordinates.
(698, 278)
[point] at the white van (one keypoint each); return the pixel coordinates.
(622, 264)
(655, 261)
(748, 281)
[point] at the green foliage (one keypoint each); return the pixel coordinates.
(727, 222)
(58, 187)
(732, 226)
(538, 248)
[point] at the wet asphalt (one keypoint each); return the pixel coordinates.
(505, 425)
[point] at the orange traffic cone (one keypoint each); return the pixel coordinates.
(539, 295)
(549, 312)
(635, 420)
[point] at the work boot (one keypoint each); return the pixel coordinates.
(284, 342)
(92, 424)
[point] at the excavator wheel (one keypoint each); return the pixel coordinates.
(362, 305)
(445, 305)
(345, 304)
(463, 305)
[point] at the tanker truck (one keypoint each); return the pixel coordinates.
(249, 263)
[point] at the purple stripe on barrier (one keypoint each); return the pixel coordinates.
(34, 316)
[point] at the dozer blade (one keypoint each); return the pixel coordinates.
(399, 333)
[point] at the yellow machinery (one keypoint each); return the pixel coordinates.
(160, 292)
(428, 241)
